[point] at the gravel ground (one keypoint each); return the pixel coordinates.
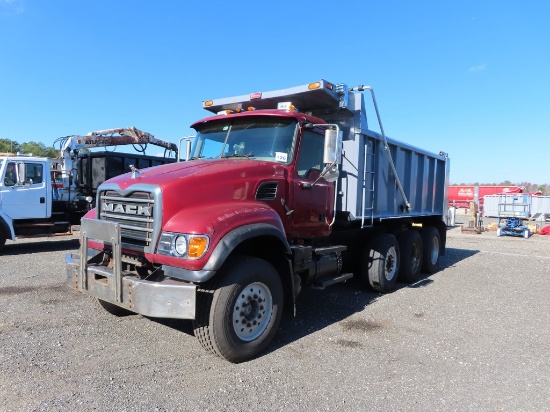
(474, 336)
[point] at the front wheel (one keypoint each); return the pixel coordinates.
(239, 317)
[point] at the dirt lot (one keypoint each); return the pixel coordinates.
(475, 336)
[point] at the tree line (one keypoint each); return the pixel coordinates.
(34, 148)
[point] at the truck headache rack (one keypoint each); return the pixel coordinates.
(314, 97)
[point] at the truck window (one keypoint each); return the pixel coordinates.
(311, 153)
(10, 178)
(34, 173)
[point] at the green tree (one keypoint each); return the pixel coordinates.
(9, 146)
(38, 149)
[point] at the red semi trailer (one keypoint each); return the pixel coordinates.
(462, 195)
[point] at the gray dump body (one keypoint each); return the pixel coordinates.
(367, 185)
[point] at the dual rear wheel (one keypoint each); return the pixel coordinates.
(386, 258)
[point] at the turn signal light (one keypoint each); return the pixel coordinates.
(197, 246)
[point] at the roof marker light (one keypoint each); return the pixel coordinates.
(208, 103)
(224, 112)
(250, 108)
(257, 95)
(313, 86)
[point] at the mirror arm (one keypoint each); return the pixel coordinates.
(307, 185)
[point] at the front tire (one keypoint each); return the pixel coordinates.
(238, 318)
(380, 263)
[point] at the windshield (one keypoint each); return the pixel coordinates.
(260, 138)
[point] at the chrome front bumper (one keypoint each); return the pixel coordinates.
(168, 298)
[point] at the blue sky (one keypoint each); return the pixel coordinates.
(469, 77)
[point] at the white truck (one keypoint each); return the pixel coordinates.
(45, 197)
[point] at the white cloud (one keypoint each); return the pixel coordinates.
(478, 68)
(13, 6)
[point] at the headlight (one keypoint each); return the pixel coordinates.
(183, 245)
(180, 245)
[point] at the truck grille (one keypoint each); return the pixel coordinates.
(134, 213)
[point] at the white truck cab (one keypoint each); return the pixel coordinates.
(26, 198)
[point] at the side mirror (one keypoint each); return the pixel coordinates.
(332, 154)
(333, 146)
(187, 147)
(20, 173)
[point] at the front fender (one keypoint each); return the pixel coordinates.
(218, 219)
(232, 239)
(221, 222)
(6, 225)
(223, 249)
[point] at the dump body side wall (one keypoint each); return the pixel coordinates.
(367, 184)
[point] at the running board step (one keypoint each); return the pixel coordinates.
(331, 281)
(329, 249)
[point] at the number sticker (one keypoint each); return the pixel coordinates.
(281, 156)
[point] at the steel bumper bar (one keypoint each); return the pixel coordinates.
(168, 298)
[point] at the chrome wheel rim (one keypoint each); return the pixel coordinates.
(252, 311)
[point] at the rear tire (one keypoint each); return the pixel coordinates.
(431, 243)
(410, 265)
(238, 318)
(380, 263)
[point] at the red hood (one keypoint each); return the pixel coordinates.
(204, 181)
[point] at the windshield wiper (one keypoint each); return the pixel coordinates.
(237, 155)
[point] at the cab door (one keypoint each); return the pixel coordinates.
(312, 197)
(27, 200)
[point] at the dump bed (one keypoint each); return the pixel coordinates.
(368, 186)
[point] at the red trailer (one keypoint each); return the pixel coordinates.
(462, 195)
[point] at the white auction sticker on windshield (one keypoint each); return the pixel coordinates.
(281, 156)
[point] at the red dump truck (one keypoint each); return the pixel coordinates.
(281, 190)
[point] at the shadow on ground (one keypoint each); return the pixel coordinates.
(11, 249)
(316, 309)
